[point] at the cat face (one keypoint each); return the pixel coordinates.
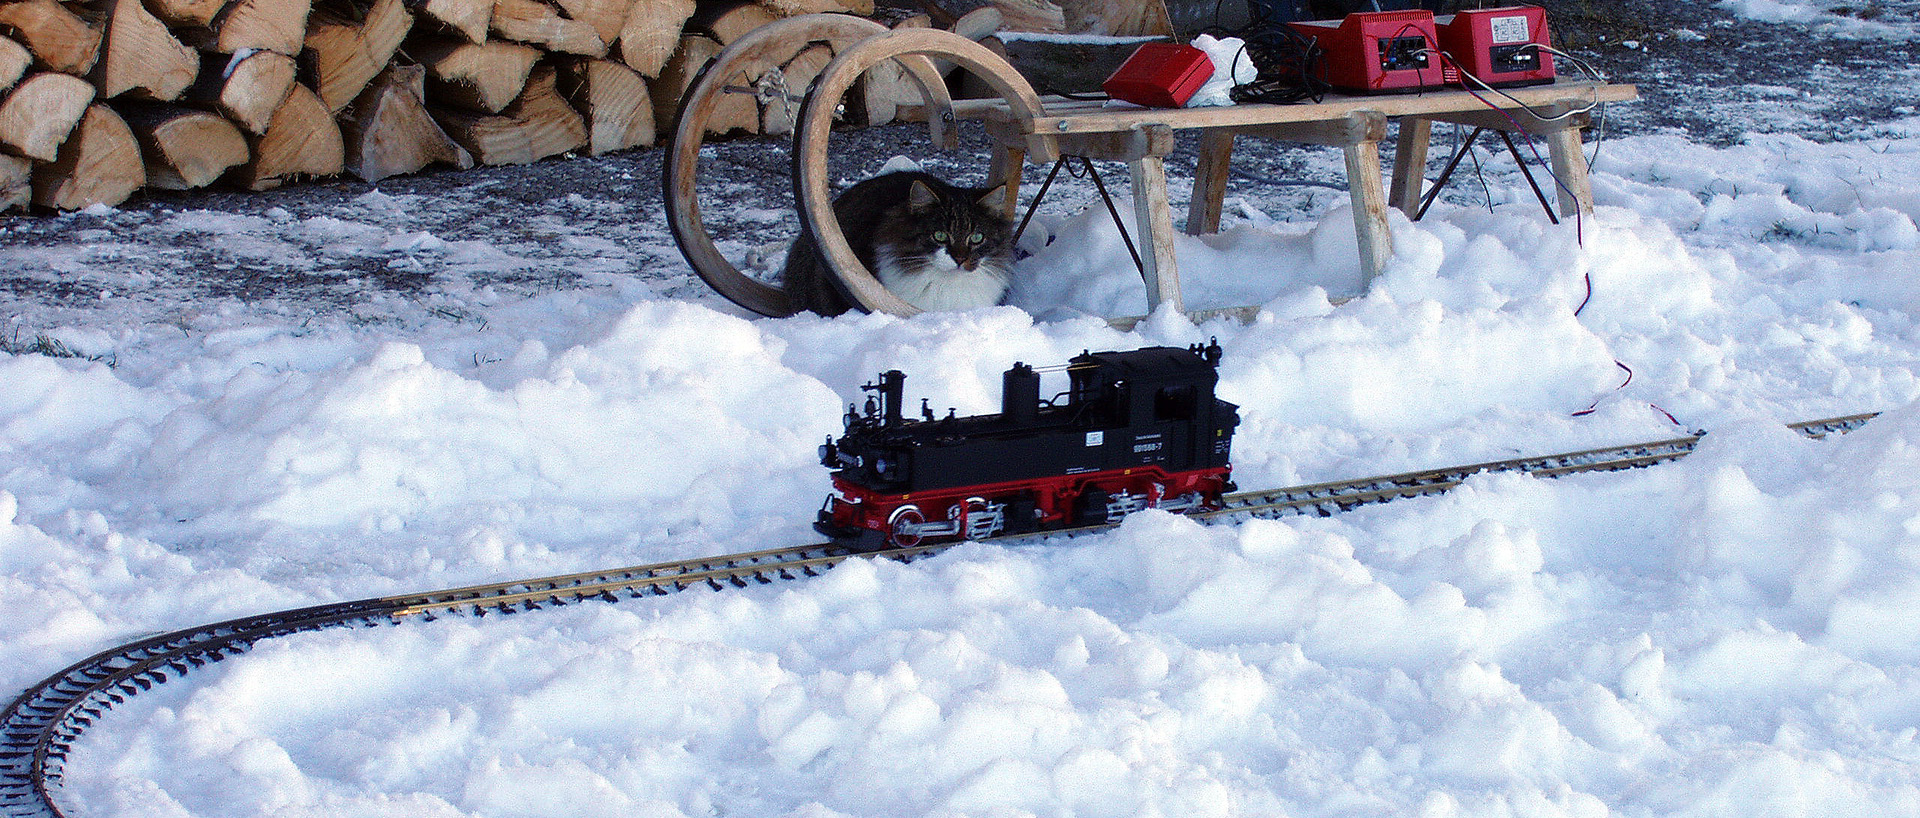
(963, 229)
(946, 248)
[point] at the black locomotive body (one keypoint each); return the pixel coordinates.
(1137, 429)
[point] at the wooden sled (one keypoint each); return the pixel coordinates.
(1024, 125)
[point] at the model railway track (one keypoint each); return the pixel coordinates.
(1329, 498)
(42, 723)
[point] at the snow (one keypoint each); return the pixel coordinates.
(1734, 634)
(1891, 20)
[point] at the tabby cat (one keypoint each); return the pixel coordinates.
(936, 246)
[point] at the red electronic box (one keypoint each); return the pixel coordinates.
(1500, 47)
(1373, 52)
(1160, 75)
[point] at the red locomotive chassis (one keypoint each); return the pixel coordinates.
(977, 512)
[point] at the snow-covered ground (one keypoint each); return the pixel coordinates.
(1735, 634)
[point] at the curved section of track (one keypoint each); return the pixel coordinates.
(42, 723)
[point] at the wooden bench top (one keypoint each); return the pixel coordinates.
(1074, 116)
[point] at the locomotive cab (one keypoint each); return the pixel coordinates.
(1159, 400)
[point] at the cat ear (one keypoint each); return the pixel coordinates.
(995, 201)
(920, 197)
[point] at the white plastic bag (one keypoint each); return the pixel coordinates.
(1231, 67)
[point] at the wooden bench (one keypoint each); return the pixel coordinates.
(1143, 137)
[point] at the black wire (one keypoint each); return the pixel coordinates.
(1480, 173)
(1287, 62)
(1083, 96)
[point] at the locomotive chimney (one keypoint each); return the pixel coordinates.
(892, 391)
(1020, 394)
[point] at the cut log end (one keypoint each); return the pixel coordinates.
(651, 34)
(485, 77)
(279, 26)
(185, 148)
(16, 182)
(467, 18)
(391, 133)
(614, 100)
(60, 39)
(348, 53)
(734, 112)
(143, 59)
(99, 165)
(41, 111)
(301, 140)
(538, 125)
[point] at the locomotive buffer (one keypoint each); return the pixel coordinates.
(1135, 429)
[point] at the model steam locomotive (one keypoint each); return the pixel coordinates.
(1133, 430)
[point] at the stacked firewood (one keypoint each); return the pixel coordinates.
(99, 98)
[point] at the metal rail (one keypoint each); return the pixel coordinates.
(41, 724)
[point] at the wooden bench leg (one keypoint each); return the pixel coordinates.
(1410, 164)
(1369, 201)
(1570, 167)
(1155, 219)
(1209, 182)
(1009, 163)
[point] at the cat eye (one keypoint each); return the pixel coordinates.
(976, 238)
(939, 235)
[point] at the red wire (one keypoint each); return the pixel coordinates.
(1578, 228)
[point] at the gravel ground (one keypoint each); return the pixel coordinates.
(1702, 72)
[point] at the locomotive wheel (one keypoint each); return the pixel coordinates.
(966, 511)
(903, 524)
(752, 65)
(811, 135)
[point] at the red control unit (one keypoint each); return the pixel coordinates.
(1160, 75)
(1500, 47)
(1375, 52)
